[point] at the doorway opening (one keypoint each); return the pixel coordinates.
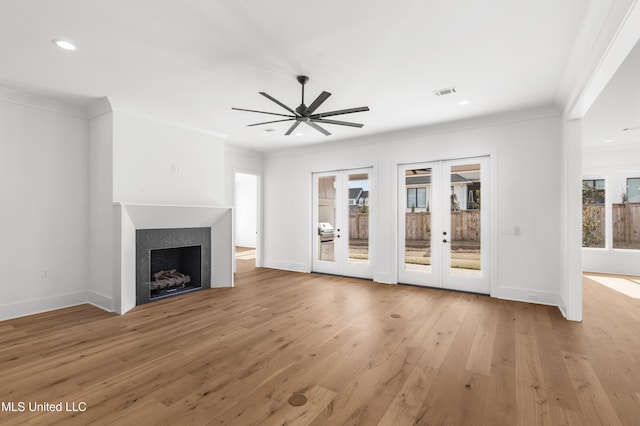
(247, 221)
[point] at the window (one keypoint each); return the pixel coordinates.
(625, 217)
(593, 229)
(417, 198)
(633, 190)
(594, 191)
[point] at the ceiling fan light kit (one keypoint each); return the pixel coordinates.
(306, 114)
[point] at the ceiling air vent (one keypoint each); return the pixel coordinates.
(447, 91)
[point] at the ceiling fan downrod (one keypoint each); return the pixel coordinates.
(302, 79)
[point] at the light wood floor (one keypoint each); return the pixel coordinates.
(362, 353)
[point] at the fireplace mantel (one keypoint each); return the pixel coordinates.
(130, 217)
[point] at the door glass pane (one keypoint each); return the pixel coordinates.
(358, 218)
(593, 229)
(417, 250)
(626, 217)
(465, 220)
(326, 218)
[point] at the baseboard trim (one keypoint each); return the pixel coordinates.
(100, 300)
(286, 266)
(529, 296)
(45, 304)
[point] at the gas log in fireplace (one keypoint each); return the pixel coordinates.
(171, 262)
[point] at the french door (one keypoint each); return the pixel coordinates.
(443, 224)
(341, 203)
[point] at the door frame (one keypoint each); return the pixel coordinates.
(258, 176)
(439, 279)
(341, 266)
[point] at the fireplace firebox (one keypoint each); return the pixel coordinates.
(171, 261)
(174, 270)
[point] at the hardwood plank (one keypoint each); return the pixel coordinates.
(405, 408)
(452, 393)
(318, 399)
(593, 399)
(501, 404)
(481, 353)
(236, 355)
(532, 399)
(627, 407)
(366, 397)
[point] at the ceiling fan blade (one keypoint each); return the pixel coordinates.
(268, 122)
(342, 111)
(319, 100)
(342, 123)
(261, 112)
(292, 128)
(318, 128)
(271, 98)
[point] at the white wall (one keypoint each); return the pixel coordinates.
(237, 159)
(158, 163)
(570, 218)
(614, 164)
(44, 214)
(246, 210)
(101, 281)
(525, 152)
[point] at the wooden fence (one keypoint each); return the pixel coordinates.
(625, 220)
(359, 226)
(465, 226)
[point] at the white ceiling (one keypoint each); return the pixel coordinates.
(616, 108)
(188, 62)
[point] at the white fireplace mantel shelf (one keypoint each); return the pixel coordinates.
(131, 217)
(161, 216)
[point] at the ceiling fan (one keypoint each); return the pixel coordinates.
(305, 114)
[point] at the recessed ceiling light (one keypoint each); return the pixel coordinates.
(465, 102)
(269, 130)
(299, 134)
(63, 44)
(608, 140)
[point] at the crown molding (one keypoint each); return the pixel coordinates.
(46, 103)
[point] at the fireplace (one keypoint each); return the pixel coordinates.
(171, 262)
(135, 227)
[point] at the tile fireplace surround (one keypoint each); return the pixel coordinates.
(128, 218)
